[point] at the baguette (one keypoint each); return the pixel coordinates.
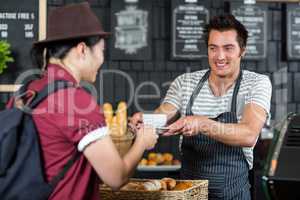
(108, 114)
(122, 117)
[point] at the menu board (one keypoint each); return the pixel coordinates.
(254, 18)
(189, 18)
(131, 27)
(293, 31)
(19, 26)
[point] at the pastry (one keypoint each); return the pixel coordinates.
(163, 185)
(143, 162)
(133, 186)
(176, 162)
(170, 182)
(159, 158)
(167, 162)
(152, 185)
(152, 156)
(183, 186)
(168, 157)
(151, 163)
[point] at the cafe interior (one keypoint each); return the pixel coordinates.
(152, 43)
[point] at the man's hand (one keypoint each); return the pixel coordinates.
(188, 126)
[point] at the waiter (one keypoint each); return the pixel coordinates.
(223, 110)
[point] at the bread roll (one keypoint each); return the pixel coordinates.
(168, 157)
(152, 156)
(159, 158)
(183, 186)
(163, 185)
(143, 162)
(170, 182)
(133, 186)
(151, 163)
(176, 162)
(152, 185)
(167, 162)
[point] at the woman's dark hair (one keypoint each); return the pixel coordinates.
(58, 49)
(225, 23)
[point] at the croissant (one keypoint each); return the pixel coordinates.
(170, 183)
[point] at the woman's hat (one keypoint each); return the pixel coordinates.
(71, 22)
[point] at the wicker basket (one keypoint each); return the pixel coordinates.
(199, 191)
(123, 143)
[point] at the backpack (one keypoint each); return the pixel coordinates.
(21, 164)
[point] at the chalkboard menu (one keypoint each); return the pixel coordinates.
(293, 31)
(189, 18)
(131, 27)
(19, 26)
(254, 18)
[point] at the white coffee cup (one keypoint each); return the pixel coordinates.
(155, 120)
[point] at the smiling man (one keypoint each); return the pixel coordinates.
(223, 110)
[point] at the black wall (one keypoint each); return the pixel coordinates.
(161, 70)
(284, 74)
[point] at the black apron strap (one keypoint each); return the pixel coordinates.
(200, 85)
(235, 92)
(195, 93)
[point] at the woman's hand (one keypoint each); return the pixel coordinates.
(147, 136)
(135, 122)
(188, 126)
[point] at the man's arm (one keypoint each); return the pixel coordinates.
(243, 134)
(170, 110)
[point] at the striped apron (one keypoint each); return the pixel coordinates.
(224, 166)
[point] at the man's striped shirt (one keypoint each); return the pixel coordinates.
(255, 88)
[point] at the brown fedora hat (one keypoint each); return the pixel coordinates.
(71, 22)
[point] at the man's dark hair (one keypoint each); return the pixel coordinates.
(225, 23)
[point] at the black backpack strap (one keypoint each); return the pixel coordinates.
(41, 95)
(23, 89)
(49, 89)
(55, 180)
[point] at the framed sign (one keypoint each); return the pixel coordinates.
(189, 18)
(19, 26)
(131, 27)
(293, 31)
(254, 18)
